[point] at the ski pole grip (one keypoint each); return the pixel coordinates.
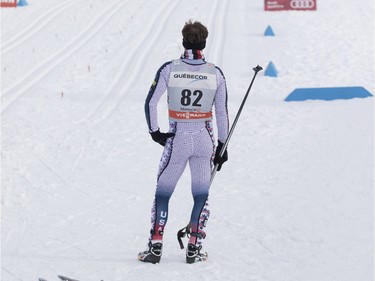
(257, 68)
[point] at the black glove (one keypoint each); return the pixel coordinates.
(161, 138)
(220, 160)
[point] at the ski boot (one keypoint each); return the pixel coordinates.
(153, 254)
(193, 254)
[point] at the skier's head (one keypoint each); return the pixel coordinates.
(194, 35)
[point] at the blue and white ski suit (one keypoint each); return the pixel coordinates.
(194, 86)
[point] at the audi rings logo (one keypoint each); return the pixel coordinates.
(302, 4)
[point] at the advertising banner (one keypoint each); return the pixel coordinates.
(8, 3)
(281, 5)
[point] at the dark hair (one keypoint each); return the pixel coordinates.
(194, 35)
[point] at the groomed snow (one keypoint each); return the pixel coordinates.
(295, 201)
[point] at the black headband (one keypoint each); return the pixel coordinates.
(195, 46)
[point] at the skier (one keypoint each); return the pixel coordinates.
(193, 87)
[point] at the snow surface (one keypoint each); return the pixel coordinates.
(295, 201)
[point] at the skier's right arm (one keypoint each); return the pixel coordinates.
(222, 120)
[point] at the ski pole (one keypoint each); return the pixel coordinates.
(213, 173)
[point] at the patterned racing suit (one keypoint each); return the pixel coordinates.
(194, 86)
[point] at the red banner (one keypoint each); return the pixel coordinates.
(280, 5)
(8, 3)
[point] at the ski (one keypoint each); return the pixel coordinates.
(64, 278)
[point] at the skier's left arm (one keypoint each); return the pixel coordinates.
(157, 89)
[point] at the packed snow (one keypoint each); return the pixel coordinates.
(295, 201)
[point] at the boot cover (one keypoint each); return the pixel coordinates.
(153, 254)
(193, 254)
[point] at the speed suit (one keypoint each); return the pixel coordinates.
(193, 86)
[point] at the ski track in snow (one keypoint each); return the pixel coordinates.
(35, 26)
(218, 22)
(136, 59)
(40, 71)
(295, 200)
(132, 62)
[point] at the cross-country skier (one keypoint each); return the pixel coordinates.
(193, 87)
